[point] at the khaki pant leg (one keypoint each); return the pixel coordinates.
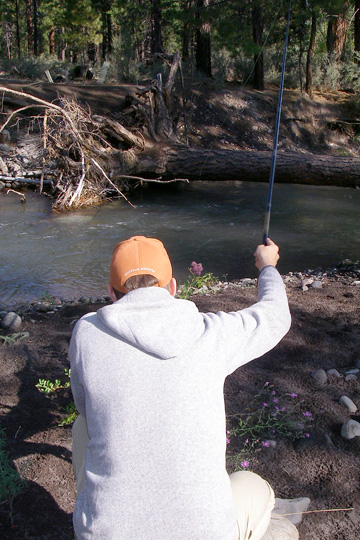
(254, 499)
(80, 438)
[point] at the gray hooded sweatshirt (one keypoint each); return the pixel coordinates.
(147, 373)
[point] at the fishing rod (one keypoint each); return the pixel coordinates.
(276, 137)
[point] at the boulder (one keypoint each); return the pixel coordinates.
(11, 321)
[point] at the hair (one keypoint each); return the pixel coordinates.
(138, 282)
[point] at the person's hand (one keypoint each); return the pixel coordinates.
(266, 255)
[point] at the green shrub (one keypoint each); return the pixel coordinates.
(11, 484)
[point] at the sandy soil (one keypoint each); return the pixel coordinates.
(325, 467)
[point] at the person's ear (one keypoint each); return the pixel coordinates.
(172, 286)
(111, 293)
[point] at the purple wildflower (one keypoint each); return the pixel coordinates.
(265, 443)
(307, 434)
(282, 409)
(196, 268)
(247, 441)
(265, 404)
(267, 383)
(275, 400)
(273, 392)
(307, 414)
(293, 395)
(245, 464)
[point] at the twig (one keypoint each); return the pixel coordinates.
(318, 511)
(110, 182)
(158, 181)
(23, 198)
(44, 150)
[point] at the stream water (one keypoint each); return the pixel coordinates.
(216, 223)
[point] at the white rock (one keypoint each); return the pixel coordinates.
(353, 371)
(11, 321)
(320, 376)
(348, 403)
(351, 377)
(350, 429)
(292, 506)
(333, 372)
(355, 283)
(316, 285)
(280, 528)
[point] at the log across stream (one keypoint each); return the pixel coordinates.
(216, 223)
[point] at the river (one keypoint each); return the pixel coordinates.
(216, 223)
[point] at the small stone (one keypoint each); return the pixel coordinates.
(350, 429)
(43, 308)
(352, 371)
(316, 285)
(320, 376)
(351, 377)
(355, 283)
(2, 186)
(333, 372)
(11, 321)
(292, 506)
(348, 403)
(57, 302)
(307, 281)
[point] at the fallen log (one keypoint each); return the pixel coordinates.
(222, 164)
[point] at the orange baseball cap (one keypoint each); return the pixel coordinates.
(136, 256)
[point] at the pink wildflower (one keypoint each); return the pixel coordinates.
(196, 268)
(245, 464)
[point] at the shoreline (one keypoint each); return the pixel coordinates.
(347, 273)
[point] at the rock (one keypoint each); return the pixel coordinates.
(280, 528)
(348, 403)
(11, 321)
(351, 377)
(2, 186)
(292, 506)
(320, 376)
(333, 372)
(316, 285)
(44, 308)
(350, 429)
(353, 371)
(356, 283)
(307, 281)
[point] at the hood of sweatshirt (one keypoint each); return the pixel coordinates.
(155, 322)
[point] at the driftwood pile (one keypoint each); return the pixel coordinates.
(93, 154)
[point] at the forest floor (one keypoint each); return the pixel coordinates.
(325, 334)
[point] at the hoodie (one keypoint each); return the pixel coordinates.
(147, 373)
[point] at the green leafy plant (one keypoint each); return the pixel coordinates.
(268, 417)
(47, 297)
(14, 338)
(196, 281)
(11, 482)
(47, 387)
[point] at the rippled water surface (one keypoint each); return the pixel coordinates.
(218, 224)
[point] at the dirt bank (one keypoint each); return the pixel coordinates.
(325, 467)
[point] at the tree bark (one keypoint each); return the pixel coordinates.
(156, 33)
(203, 41)
(308, 84)
(187, 31)
(29, 27)
(336, 32)
(18, 42)
(257, 26)
(357, 27)
(214, 164)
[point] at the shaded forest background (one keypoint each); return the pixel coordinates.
(224, 39)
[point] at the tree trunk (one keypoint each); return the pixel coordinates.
(336, 32)
(156, 33)
(257, 26)
(18, 41)
(357, 27)
(203, 41)
(308, 84)
(29, 27)
(187, 31)
(36, 33)
(292, 168)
